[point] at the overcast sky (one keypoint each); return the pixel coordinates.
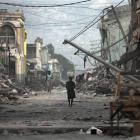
(56, 24)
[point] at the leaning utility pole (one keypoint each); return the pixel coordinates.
(100, 60)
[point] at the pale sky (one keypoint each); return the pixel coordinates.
(56, 24)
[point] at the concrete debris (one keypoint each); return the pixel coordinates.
(81, 131)
(5, 132)
(94, 131)
(9, 90)
(26, 95)
(100, 81)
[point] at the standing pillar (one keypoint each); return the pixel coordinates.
(20, 62)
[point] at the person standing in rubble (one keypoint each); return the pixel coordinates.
(70, 86)
(49, 81)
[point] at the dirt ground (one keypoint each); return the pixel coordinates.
(52, 109)
(65, 137)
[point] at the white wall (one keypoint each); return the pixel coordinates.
(114, 34)
(38, 55)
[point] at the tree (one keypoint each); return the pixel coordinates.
(50, 49)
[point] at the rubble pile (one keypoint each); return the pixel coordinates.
(9, 90)
(104, 86)
(101, 82)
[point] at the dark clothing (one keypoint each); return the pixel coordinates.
(70, 85)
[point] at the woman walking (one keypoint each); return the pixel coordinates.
(70, 86)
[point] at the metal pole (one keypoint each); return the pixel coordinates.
(100, 60)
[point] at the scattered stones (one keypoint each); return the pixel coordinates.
(94, 131)
(9, 90)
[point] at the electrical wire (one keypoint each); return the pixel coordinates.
(56, 24)
(36, 6)
(52, 28)
(85, 28)
(93, 22)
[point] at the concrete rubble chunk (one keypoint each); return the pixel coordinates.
(94, 131)
(9, 91)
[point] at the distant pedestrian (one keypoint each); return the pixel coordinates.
(49, 81)
(70, 86)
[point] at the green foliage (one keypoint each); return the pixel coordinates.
(50, 49)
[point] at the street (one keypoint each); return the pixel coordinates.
(70, 70)
(64, 137)
(52, 110)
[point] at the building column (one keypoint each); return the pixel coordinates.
(20, 62)
(20, 76)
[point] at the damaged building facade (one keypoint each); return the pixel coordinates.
(13, 44)
(132, 57)
(37, 56)
(55, 68)
(34, 55)
(45, 57)
(39, 61)
(113, 44)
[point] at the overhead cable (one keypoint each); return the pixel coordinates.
(93, 22)
(50, 5)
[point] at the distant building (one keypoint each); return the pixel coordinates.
(111, 33)
(45, 57)
(54, 65)
(34, 55)
(31, 56)
(39, 46)
(13, 44)
(55, 68)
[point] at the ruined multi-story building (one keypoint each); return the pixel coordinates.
(55, 68)
(34, 54)
(45, 57)
(117, 47)
(38, 55)
(133, 61)
(13, 44)
(111, 33)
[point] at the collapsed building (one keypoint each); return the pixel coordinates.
(120, 42)
(132, 57)
(13, 39)
(111, 33)
(126, 94)
(125, 64)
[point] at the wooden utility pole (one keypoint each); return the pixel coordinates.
(132, 78)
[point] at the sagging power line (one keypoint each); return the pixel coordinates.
(50, 5)
(93, 22)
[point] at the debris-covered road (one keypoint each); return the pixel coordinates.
(45, 109)
(42, 113)
(65, 137)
